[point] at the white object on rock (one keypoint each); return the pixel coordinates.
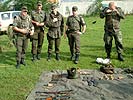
(99, 60)
(106, 61)
(103, 61)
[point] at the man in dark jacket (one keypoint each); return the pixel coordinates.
(113, 15)
(55, 23)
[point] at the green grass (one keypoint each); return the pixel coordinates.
(16, 84)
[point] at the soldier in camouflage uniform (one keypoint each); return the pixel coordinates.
(38, 18)
(113, 15)
(22, 27)
(55, 23)
(73, 30)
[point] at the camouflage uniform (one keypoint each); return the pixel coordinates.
(22, 22)
(112, 29)
(38, 37)
(55, 32)
(74, 24)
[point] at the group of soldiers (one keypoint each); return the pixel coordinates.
(25, 26)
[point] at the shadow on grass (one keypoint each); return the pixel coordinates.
(9, 57)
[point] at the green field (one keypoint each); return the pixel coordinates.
(16, 84)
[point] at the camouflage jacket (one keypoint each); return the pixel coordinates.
(112, 19)
(74, 23)
(55, 28)
(23, 22)
(38, 17)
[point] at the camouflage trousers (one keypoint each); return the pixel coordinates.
(52, 41)
(21, 45)
(74, 42)
(37, 41)
(108, 37)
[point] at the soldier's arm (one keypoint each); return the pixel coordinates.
(83, 25)
(103, 12)
(23, 31)
(32, 17)
(65, 31)
(43, 23)
(37, 23)
(44, 20)
(83, 28)
(120, 13)
(62, 26)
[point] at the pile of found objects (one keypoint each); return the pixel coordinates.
(84, 84)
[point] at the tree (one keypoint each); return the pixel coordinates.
(17, 4)
(95, 7)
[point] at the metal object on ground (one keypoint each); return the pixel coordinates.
(72, 73)
(55, 92)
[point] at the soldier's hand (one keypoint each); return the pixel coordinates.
(37, 23)
(79, 33)
(115, 10)
(108, 11)
(24, 31)
(41, 24)
(32, 32)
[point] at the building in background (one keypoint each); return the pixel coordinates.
(65, 6)
(89, 6)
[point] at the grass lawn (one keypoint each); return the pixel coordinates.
(16, 84)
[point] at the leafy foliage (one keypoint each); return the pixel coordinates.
(17, 4)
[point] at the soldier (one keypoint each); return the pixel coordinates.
(38, 18)
(55, 23)
(22, 27)
(75, 26)
(113, 15)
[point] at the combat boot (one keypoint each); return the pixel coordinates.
(76, 59)
(57, 57)
(120, 57)
(38, 56)
(23, 62)
(49, 57)
(33, 57)
(18, 65)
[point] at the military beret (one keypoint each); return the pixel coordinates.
(53, 6)
(74, 8)
(39, 3)
(24, 8)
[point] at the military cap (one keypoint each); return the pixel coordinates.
(24, 8)
(53, 6)
(74, 8)
(39, 3)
